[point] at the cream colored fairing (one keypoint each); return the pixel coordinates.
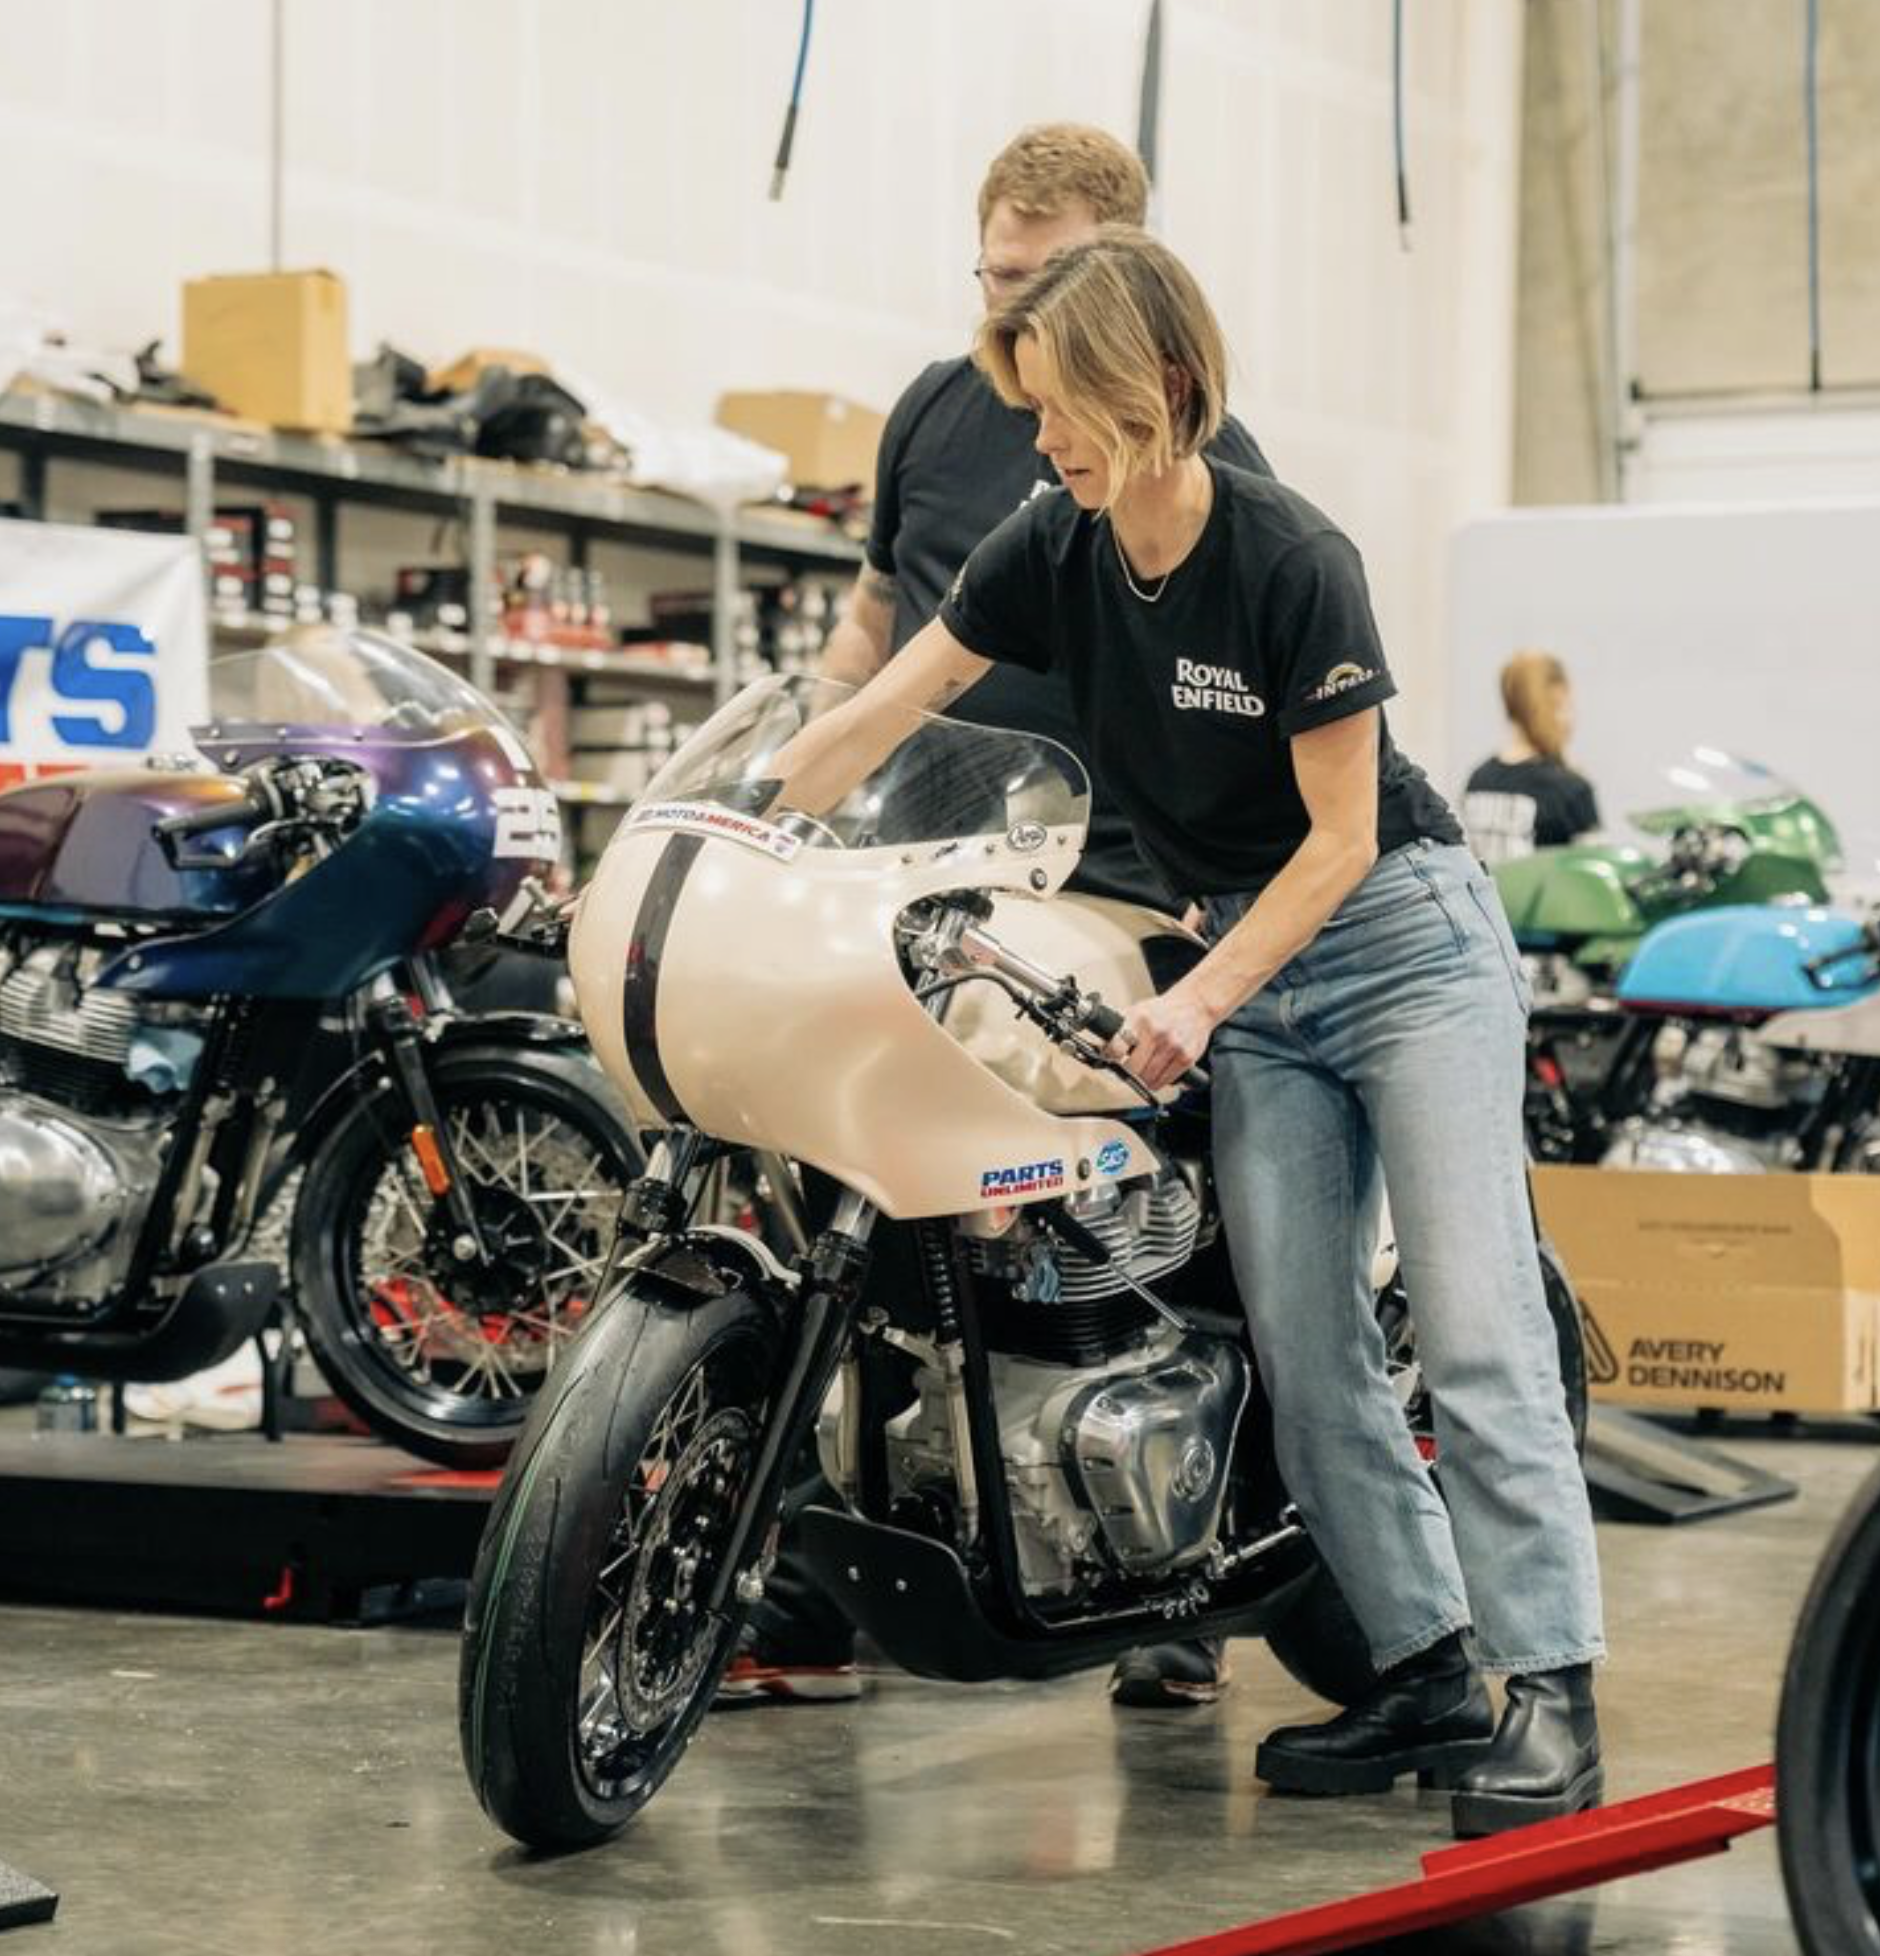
(783, 1020)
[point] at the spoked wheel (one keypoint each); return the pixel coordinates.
(1318, 1639)
(1828, 1746)
(590, 1648)
(431, 1345)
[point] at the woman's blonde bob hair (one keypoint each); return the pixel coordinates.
(1133, 347)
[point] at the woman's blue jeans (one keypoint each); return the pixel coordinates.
(1390, 1051)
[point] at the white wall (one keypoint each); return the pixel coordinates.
(1755, 630)
(587, 177)
(1775, 451)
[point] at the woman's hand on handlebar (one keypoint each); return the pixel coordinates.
(1165, 1036)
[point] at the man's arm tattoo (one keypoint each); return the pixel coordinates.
(877, 585)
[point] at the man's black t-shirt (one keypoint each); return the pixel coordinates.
(955, 462)
(1513, 807)
(1188, 704)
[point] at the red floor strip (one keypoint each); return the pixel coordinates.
(1485, 1877)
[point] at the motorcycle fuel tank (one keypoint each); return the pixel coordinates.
(84, 844)
(1741, 959)
(1578, 891)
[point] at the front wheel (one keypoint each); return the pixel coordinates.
(1828, 1746)
(589, 1654)
(1318, 1640)
(441, 1354)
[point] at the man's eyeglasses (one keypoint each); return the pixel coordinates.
(1000, 279)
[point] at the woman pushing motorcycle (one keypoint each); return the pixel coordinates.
(1362, 1007)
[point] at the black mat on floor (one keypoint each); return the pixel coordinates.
(23, 1900)
(318, 1528)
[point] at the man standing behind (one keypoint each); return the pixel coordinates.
(954, 463)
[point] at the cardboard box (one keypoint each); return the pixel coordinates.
(828, 442)
(1759, 1293)
(272, 346)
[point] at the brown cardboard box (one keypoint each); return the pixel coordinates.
(1755, 1292)
(272, 346)
(829, 443)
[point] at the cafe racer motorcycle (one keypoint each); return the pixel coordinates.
(879, 996)
(212, 979)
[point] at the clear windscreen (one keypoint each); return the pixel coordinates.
(941, 781)
(1711, 784)
(320, 676)
(1710, 788)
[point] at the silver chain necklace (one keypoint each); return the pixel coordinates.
(1148, 597)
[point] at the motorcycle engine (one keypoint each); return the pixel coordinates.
(1726, 1103)
(84, 1078)
(1117, 1428)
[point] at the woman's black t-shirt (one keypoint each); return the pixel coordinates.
(1188, 704)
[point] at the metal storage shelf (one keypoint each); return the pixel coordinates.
(333, 470)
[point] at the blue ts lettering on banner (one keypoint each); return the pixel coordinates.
(78, 681)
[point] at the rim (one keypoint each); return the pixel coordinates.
(648, 1639)
(481, 1341)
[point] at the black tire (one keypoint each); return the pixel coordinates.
(647, 1400)
(443, 1364)
(1318, 1639)
(1828, 1746)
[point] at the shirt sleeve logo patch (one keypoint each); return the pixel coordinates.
(1202, 688)
(1341, 679)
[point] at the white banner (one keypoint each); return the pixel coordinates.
(104, 653)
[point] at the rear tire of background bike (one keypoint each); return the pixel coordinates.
(526, 1673)
(1828, 1745)
(456, 1429)
(1318, 1640)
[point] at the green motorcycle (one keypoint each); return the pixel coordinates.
(1741, 836)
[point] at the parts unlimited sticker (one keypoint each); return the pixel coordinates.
(1028, 1178)
(702, 818)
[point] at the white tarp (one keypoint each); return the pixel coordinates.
(103, 647)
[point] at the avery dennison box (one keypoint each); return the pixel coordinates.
(1752, 1292)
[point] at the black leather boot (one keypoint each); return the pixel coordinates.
(1430, 1715)
(1545, 1759)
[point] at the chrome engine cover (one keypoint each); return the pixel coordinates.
(73, 1193)
(1151, 1449)
(1119, 1466)
(1691, 1149)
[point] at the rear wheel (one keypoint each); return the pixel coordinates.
(589, 1652)
(1318, 1640)
(1828, 1746)
(439, 1353)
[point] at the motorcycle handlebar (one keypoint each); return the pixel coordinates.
(252, 805)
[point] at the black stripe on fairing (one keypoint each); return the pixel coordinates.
(645, 950)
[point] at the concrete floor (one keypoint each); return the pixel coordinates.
(241, 1789)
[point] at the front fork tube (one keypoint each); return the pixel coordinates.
(398, 1028)
(832, 1288)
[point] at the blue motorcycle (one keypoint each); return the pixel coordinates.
(1737, 1040)
(213, 980)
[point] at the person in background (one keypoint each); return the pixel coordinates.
(955, 461)
(1527, 797)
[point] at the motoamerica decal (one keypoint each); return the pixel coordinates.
(701, 818)
(1029, 1178)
